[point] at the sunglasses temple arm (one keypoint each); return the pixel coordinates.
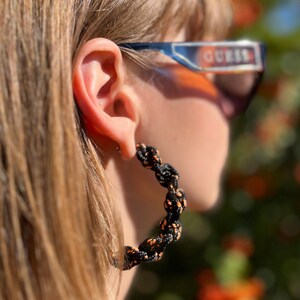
(165, 48)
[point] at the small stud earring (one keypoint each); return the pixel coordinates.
(118, 149)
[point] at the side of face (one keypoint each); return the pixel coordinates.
(170, 108)
(182, 117)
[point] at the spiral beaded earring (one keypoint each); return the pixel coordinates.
(169, 229)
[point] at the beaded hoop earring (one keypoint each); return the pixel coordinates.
(169, 228)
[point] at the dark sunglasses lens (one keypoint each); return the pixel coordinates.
(239, 88)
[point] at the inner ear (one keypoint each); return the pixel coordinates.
(108, 68)
(120, 108)
(99, 72)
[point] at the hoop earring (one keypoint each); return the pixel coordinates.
(169, 228)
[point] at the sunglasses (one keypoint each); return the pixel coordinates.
(238, 66)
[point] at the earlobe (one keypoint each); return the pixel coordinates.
(99, 88)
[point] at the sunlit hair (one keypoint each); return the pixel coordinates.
(58, 218)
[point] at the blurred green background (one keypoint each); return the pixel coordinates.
(248, 247)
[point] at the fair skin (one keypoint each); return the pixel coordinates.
(122, 108)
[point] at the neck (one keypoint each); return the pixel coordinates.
(140, 202)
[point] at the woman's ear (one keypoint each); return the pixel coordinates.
(109, 112)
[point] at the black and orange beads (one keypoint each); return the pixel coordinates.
(170, 228)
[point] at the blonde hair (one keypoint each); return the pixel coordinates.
(58, 222)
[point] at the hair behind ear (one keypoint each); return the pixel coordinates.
(58, 222)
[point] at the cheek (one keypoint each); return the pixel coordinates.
(192, 134)
(202, 145)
